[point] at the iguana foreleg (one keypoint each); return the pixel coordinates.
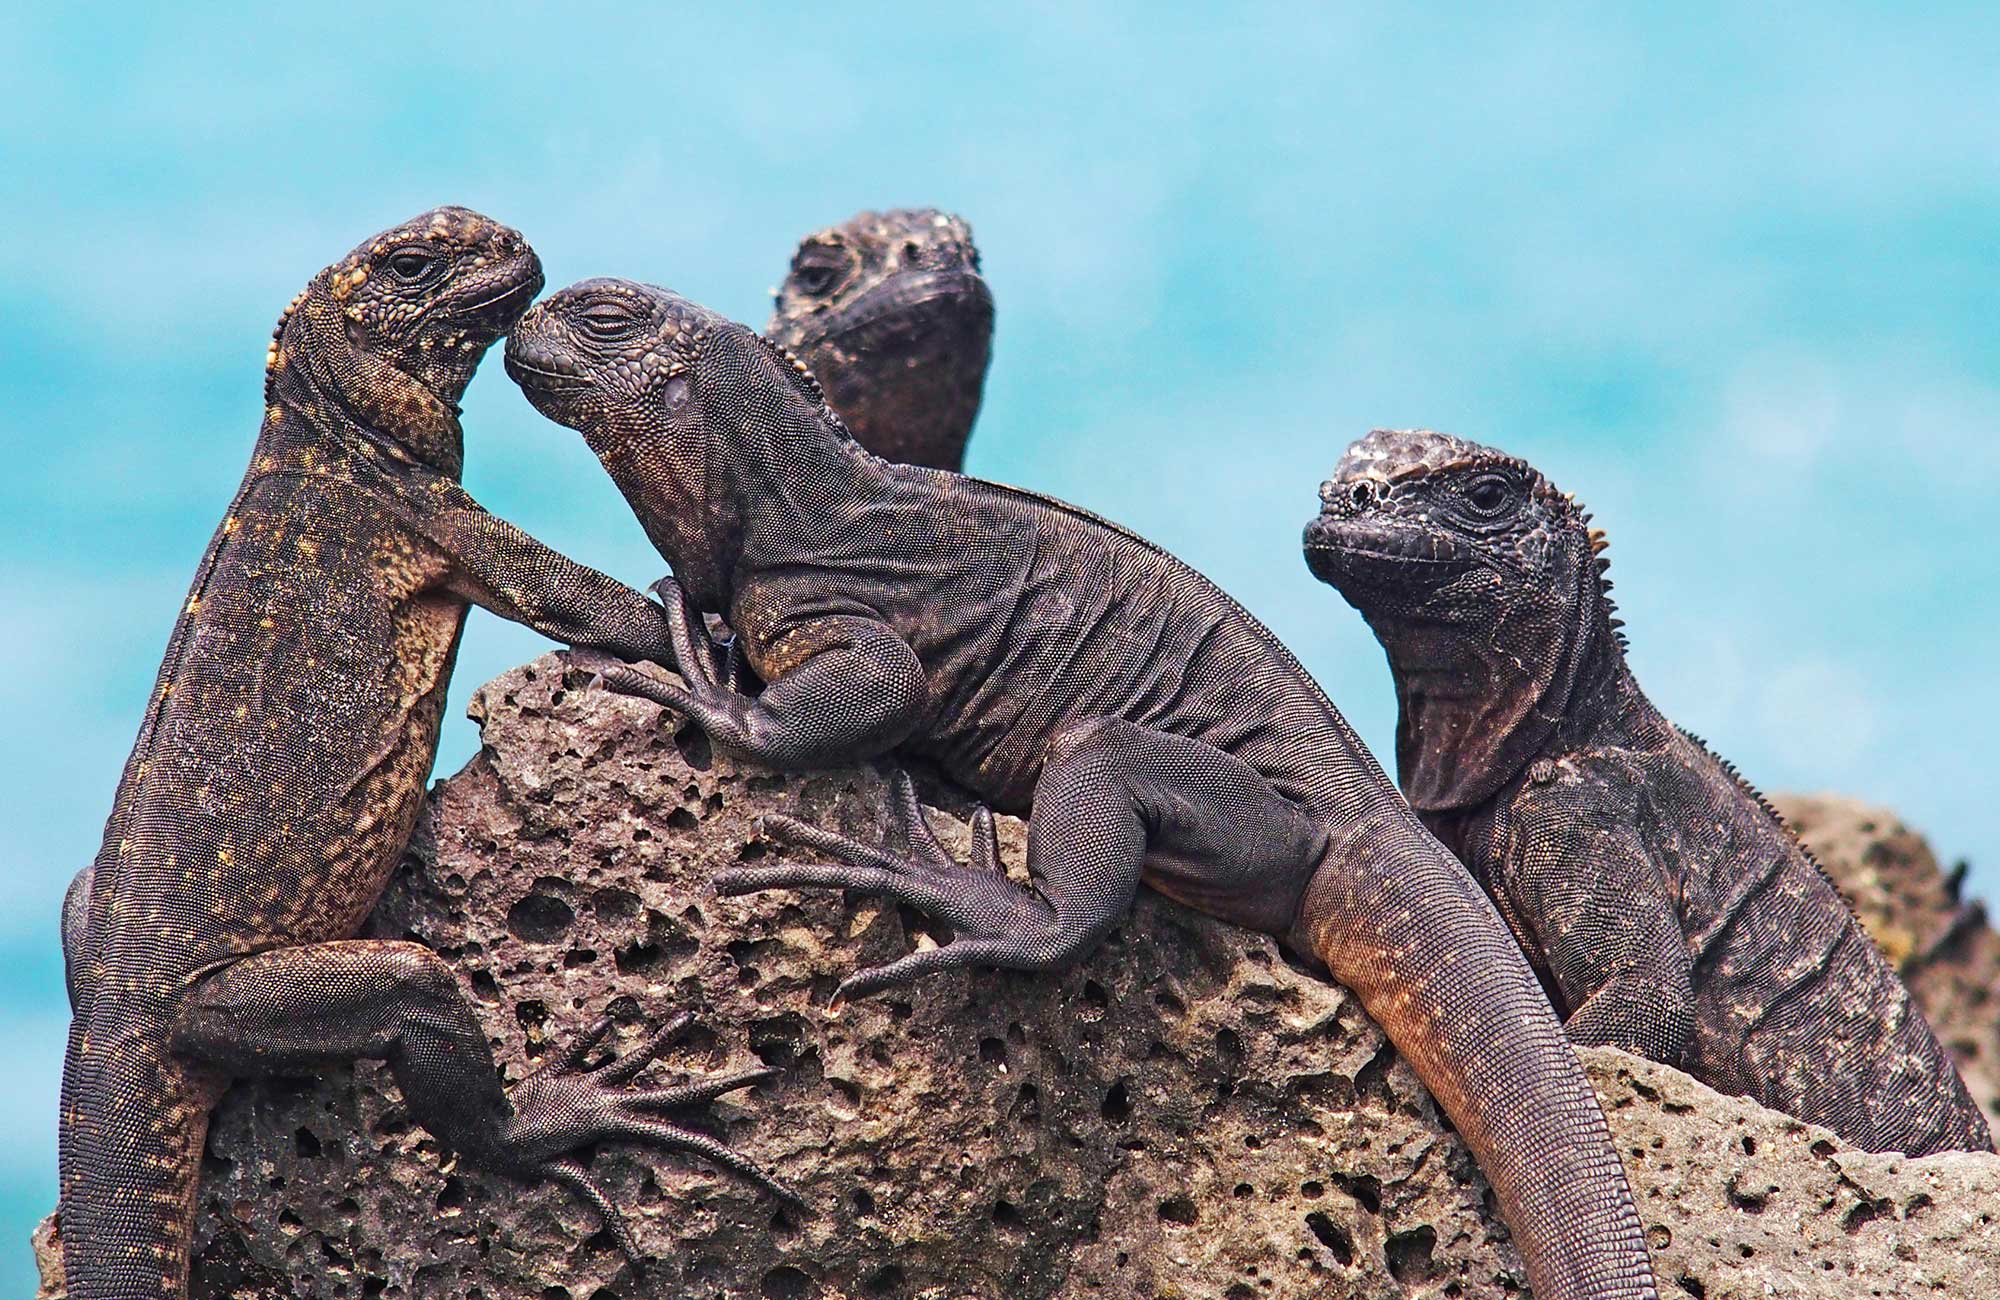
(294, 1009)
(500, 568)
(1599, 912)
(856, 690)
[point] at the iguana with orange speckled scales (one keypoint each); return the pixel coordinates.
(281, 764)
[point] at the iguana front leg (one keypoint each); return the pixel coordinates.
(295, 1009)
(852, 689)
(75, 928)
(1114, 800)
(500, 568)
(1598, 910)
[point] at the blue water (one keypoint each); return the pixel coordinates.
(1729, 276)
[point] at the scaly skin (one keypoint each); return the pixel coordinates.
(281, 763)
(890, 312)
(1059, 666)
(1670, 910)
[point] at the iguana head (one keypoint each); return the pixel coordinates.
(626, 363)
(699, 420)
(890, 312)
(1483, 583)
(394, 330)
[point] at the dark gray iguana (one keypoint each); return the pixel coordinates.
(281, 763)
(1670, 910)
(1057, 665)
(890, 312)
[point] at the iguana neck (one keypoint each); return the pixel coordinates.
(1474, 713)
(355, 399)
(754, 495)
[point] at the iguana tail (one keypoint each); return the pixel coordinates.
(1399, 921)
(134, 1119)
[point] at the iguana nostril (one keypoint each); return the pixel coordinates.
(1362, 494)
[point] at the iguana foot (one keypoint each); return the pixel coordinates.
(573, 1102)
(994, 921)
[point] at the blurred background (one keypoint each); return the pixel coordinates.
(1731, 277)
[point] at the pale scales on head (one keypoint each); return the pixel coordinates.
(1391, 456)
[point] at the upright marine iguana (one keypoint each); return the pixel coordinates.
(890, 312)
(280, 766)
(1670, 910)
(1053, 663)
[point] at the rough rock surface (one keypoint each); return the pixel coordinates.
(1186, 1115)
(1941, 942)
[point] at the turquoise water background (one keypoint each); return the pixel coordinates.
(1731, 276)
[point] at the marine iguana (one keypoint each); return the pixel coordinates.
(280, 766)
(1055, 664)
(1668, 907)
(890, 312)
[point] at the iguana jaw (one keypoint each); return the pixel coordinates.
(943, 298)
(494, 301)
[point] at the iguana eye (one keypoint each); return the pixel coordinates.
(816, 278)
(1488, 496)
(411, 264)
(607, 321)
(819, 268)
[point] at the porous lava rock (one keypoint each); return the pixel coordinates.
(1186, 1114)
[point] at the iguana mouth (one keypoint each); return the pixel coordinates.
(1384, 539)
(539, 368)
(525, 288)
(1344, 551)
(554, 380)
